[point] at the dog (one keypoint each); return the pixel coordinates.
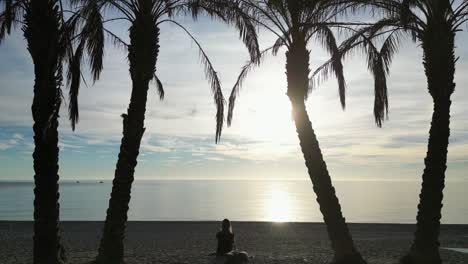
(237, 257)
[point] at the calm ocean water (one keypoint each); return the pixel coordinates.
(362, 201)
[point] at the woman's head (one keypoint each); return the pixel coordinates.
(226, 226)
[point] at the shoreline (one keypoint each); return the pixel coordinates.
(191, 241)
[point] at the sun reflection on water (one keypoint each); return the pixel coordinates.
(278, 206)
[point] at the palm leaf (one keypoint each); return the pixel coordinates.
(159, 87)
(280, 42)
(93, 34)
(232, 13)
(240, 79)
(10, 16)
(327, 38)
(85, 27)
(378, 63)
(74, 81)
(213, 79)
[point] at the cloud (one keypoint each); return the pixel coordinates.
(14, 140)
(5, 145)
(64, 145)
(152, 148)
(263, 133)
(215, 159)
(249, 151)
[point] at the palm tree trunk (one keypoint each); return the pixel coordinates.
(47, 247)
(425, 248)
(142, 57)
(297, 70)
(439, 64)
(111, 249)
(41, 30)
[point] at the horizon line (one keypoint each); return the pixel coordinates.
(227, 179)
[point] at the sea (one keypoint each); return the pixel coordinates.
(238, 200)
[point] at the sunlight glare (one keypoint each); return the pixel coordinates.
(269, 120)
(278, 206)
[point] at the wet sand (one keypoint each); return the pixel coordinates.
(192, 242)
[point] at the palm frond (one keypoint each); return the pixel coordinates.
(325, 35)
(159, 87)
(10, 16)
(93, 34)
(86, 28)
(213, 79)
(377, 68)
(232, 13)
(7, 18)
(280, 42)
(405, 11)
(240, 79)
(116, 40)
(381, 69)
(69, 29)
(378, 63)
(390, 48)
(74, 80)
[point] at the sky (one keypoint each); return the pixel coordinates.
(179, 142)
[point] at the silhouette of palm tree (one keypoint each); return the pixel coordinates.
(145, 18)
(45, 31)
(432, 23)
(296, 23)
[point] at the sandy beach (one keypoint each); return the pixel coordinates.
(191, 242)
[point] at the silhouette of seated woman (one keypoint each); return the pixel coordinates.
(225, 239)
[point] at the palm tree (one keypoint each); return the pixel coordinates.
(296, 23)
(144, 18)
(432, 23)
(44, 27)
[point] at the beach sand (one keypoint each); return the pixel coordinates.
(191, 242)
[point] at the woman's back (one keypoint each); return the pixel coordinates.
(225, 242)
